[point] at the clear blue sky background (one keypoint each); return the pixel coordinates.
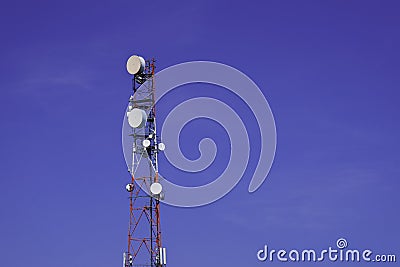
(329, 69)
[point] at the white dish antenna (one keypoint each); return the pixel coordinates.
(129, 187)
(135, 65)
(156, 188)
(161, 146)
(146, 143)
(137, 118)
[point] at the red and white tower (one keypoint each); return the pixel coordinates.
(145, 190)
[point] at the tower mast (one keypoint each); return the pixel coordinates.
(144, 229)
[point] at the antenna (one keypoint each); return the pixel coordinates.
(144, 230)
(137, 118)
(135, 65)
(156, 188)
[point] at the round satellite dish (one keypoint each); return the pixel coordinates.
(161, 146)
(129, 187)
(135, 65)
(137, 118)
(146, 143)
(156, 188)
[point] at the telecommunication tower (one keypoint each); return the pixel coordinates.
(145, 190)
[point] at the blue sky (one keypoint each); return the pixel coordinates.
(329, 70)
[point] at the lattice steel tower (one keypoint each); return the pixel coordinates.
(145, 191)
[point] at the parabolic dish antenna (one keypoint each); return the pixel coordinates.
(135, 65)
(161, 146)
(156, 188)
(129, 187)
(137, 118)
(146, 143)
